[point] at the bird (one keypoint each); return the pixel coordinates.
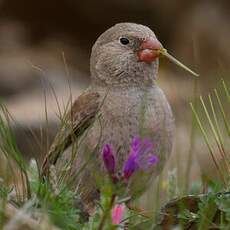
(122, 101)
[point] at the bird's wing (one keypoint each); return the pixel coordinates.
(79, 118)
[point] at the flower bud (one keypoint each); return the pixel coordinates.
(109, 159)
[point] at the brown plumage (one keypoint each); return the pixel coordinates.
(125, 100)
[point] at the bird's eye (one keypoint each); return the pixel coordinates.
(124, 41)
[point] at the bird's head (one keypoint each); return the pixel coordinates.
(126, 54)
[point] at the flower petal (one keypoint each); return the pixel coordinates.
(136, 141)
(130, 166)
(109, 159)
(117, 213)
(153, 159)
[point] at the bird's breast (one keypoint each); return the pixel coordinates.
(128, 113)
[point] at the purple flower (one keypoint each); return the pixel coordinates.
(130, 166)
(140, 157)
(109, 159)
(153, 159)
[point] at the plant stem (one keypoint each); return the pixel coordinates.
(105, 214)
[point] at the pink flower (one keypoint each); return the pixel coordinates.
(117, 214)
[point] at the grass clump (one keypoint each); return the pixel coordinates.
(31, 201)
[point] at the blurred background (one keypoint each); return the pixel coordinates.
(45, 47)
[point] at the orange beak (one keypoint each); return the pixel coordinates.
(149, 50)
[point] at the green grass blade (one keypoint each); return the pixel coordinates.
(207, 142)
(227, 126)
